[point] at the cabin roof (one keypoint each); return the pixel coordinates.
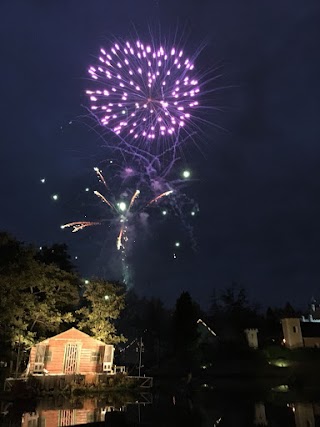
(72, 333)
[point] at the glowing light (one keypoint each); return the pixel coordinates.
(186, 174)
(164, 212)
(86, 282)
(107, 297)
(55, 197)
(193, 213)
(177, 244)
(87, 189)
(42, 180)
(129, 171)
(122, 206)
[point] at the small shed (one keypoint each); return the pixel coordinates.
(71, 352)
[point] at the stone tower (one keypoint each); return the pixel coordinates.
(304, 415)
(252, 337)
(260, 418)
(292, 332)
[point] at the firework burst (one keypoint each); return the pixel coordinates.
(148, 96)
(123, 215)
(144, 93)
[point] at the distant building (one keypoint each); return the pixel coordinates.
(71, 352)
(301, 332)
(314, 308)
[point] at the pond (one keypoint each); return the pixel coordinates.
(204, 408)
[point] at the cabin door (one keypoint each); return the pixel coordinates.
(66, 417)
(71, 357)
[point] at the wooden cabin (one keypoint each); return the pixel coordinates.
(71, 352)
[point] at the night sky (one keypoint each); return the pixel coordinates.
(257, 176)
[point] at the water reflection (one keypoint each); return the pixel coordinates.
(84, 412)
(208, 409)
(299, 414)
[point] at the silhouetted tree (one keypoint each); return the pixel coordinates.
(103, 303)
(156, 334)
(289, 311)
(35, 298)
(147, 319)
(58, 255)
(231, 313)
(185, 329)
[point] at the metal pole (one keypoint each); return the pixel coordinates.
(140, 356)
(18, 357)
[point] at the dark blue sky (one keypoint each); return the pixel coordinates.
(258, 182)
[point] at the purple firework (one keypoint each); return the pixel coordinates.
(143, 92)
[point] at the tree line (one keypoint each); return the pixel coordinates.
(43, 295)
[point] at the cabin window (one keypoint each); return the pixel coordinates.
(294, 329)
(108, 354)
(95, 356)
(40, 352)
(40, 358)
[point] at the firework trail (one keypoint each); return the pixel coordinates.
(100, 176)
(119, 239)
(79, 225)
(124, 218)
(101, 196)
(136, 194)
(166, 193)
